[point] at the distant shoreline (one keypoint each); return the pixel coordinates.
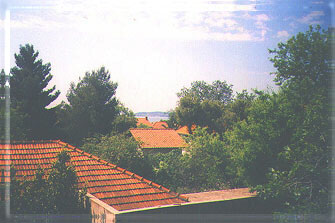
(152, 114)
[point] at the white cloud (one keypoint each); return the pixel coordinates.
(312, 18)
(260, 25)
(184, 19)
(282, 33)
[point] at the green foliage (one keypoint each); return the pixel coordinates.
(205, 166)
(283, 147)
(306, 55)
(124, 120)
(217, 91)
(18, 130)
(120, 150)
(28, 81)
(172, 121)
(239, 107)
(144, 126)
(212, 106)
(205, 113)
(93, 108)
(55, 193)
(169, 170)
(208, 159)
(256, 141)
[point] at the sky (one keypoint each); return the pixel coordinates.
(154, 48)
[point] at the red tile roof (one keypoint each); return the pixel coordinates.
(160, 125)
(119, 188)
(158, 138)
(143, 121)
(184, 130)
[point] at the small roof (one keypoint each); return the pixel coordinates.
(219, 195)
(115, 186)
(160, 125)
(144, 121)
(184, 130)
(158, 138)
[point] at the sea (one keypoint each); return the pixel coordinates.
(155, 118)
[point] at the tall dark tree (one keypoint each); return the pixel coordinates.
(30, 95)
(92, 107)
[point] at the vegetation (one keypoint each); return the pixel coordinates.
(277, 143)
(203, 105)
(53, 193)
(300, 180)
(29, 96)
(120, 150)
(93, 108)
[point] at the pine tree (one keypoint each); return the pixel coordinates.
(29, 80)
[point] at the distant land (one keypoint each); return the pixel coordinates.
(152, 114)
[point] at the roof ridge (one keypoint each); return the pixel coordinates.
(151, 129)
(131, 174)
(30, 141)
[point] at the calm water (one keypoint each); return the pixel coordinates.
(155, 118)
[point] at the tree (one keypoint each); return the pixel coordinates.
(124, 120)
(29, 80)
(188, 112)
(217, 91)
(203, 105)
(205, 165)
(92, 107)
(170, 170)
(172, 121)
(240, 105)
(304, 72)
(55, 193)
(283, 148)
(120, 150)
(65, 194)
(209, 160)
(207, 113)
(306, 56)
(17, 118)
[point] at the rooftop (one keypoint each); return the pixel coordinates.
(160, 125)
(144, 121)
(117, 187)
(219, 195)
(158, 138)
(184, 130)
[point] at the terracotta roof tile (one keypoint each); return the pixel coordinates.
(158, 138)
(144, 121)
(184, 130)
(121, 189)
(160, 125)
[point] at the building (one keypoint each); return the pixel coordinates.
(158, 140)
(142, 122)
(118, 195)
(111, 189)
(160, 125)
(184, 131)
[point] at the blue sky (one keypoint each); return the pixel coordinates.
(154, 48)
